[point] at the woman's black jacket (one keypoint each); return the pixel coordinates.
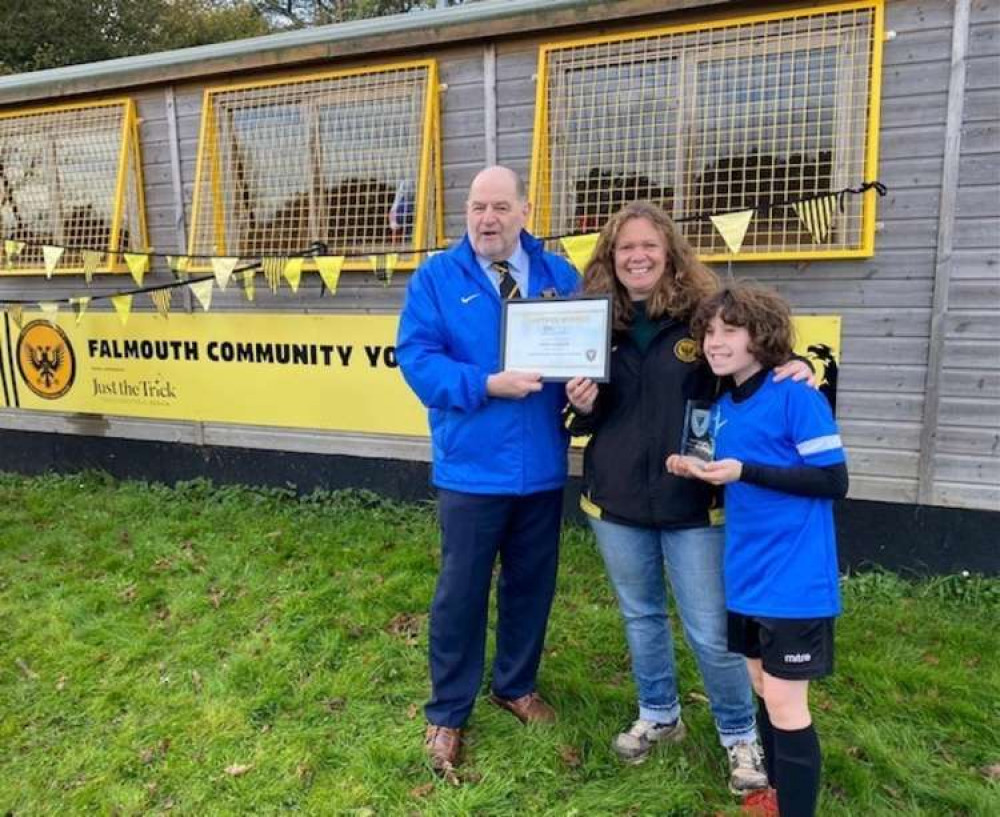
(637, 421)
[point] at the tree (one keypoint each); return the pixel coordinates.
(51, 33)
(303, 13)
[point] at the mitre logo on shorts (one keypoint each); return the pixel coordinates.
(45, 359)
(686, 350)
(798, 657)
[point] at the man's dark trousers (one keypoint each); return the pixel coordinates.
(524, 531)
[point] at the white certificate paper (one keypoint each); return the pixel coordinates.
(560, 338)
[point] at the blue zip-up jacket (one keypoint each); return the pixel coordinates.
(448, 344)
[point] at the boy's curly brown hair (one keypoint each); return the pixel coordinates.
(763, 312)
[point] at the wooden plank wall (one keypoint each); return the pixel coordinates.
(885, 301)
(965, 470)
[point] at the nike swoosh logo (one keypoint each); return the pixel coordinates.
(468, 298)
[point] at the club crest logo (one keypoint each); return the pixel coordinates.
(686, 350)
(700, 420)
(46, 360)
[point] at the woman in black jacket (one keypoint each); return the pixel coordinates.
(645, 519)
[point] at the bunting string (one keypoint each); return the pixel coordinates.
(816, 212)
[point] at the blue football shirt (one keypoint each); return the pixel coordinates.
(781, 549)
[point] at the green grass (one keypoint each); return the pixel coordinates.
(154, 638)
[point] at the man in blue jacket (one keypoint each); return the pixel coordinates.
(499, 459)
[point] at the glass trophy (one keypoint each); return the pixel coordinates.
(698, 440)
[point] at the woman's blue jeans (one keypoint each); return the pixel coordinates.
(635, 560)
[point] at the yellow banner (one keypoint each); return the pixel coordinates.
(334, 372)
(331, 372)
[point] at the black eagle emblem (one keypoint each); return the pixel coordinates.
(825, 364)
(46, 360)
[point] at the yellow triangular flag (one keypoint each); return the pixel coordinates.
(223, 270)
(138, 265)
(16, 312)
(203, 292)
(580, 249)
(329, 267)
(50, 309)
(250, 284)
(179, 265)
(13, 248)
(383, 266)
(293, 272)
(733, 228)
(79, 306)
(123, 306)
(51, 256)
(272, 268)
(91, 261)
(817, 215)
(161, 300)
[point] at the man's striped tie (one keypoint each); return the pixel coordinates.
(508, 286)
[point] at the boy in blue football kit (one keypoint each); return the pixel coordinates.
(779, 454)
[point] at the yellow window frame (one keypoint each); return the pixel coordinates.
(209, 206)
(127, 207)
(541, 187)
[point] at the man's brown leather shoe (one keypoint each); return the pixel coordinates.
(443, 746)
(528, 708)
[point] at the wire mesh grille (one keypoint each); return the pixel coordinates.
(59, 183)
(710, 121)
(335, 159)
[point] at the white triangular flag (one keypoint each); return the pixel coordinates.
(91, 261)
(733, 228)
(203, 292)
(223, 270)
(51, 256)
(50, 309)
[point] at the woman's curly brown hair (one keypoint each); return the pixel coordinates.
(684, 283)
(763, 312)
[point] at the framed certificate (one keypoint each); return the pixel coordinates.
(560, 338)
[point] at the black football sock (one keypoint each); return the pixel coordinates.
(766, 740)
(796, 769)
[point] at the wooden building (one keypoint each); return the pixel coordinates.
(366, 135)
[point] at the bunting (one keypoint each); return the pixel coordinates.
(123, 306)
(733, 228)
(817, 215)
(79, 306)
(293, 272)
(383, 266)
(223, 268)
(12, 249)
(51, 255)
(50, 309)
(91, 261)
(138, 265)
(202, 290)
(16, 312)
(329, 267)
(250, 284)
(179, 265)
(273, 267)
(161, 300)
(580, 249)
